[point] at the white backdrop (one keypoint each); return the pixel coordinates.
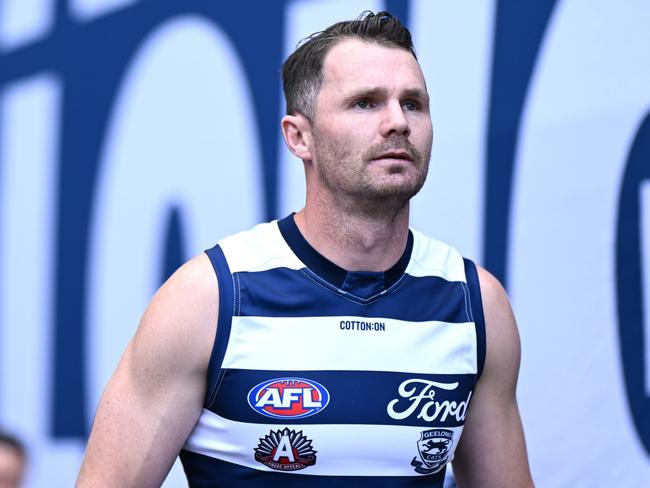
(182, 132)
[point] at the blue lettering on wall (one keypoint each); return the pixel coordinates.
(93, 65)
(175, 251)
(92, 59)
(629, 283)
(520, 28)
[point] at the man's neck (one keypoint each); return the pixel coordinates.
(355, 242)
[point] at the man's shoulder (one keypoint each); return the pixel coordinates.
(437, 257)
(193, 282)
(433, 257)
(257, 249)
(493, 294)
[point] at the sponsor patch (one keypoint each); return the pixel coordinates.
(419, 398)
(434, 449)
(288, 398)
(285, 450)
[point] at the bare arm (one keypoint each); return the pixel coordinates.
(156, 394)
(492, 450)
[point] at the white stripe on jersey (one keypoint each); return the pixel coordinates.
(263, 247)
(319, 343)
(259, 249)
(341, 450)
(434, 258)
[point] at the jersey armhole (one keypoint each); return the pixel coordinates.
(476, 305)
(224, 320)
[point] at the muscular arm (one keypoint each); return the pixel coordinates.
(492, 450)
(156, 393)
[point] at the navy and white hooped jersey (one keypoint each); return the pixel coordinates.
(323, 377)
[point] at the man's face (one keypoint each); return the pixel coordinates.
(11, 467)
(372, 131)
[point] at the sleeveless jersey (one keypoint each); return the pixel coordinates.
(323, 377)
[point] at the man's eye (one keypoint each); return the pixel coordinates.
(410, 106)
(362, 104)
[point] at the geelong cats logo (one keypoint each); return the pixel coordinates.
(285, 450)
(433, 447)
(288, 398)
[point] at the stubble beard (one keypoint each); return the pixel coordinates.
(354, 184)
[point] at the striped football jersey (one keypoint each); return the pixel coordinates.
(324, 377)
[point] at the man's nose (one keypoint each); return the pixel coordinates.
(394, 120)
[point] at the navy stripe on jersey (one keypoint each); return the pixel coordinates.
(283, 292)
(355, 397)
(207, 472)
(474, 287)
(224, 321)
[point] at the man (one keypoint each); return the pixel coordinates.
(336, 347)
(12, 461)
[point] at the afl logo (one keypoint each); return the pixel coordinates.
(288, 398)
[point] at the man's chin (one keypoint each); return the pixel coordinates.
(397, 186)
(391, 194)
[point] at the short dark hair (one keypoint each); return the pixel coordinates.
(13, 442)
(302, 72)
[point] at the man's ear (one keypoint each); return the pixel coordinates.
(296, 131)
